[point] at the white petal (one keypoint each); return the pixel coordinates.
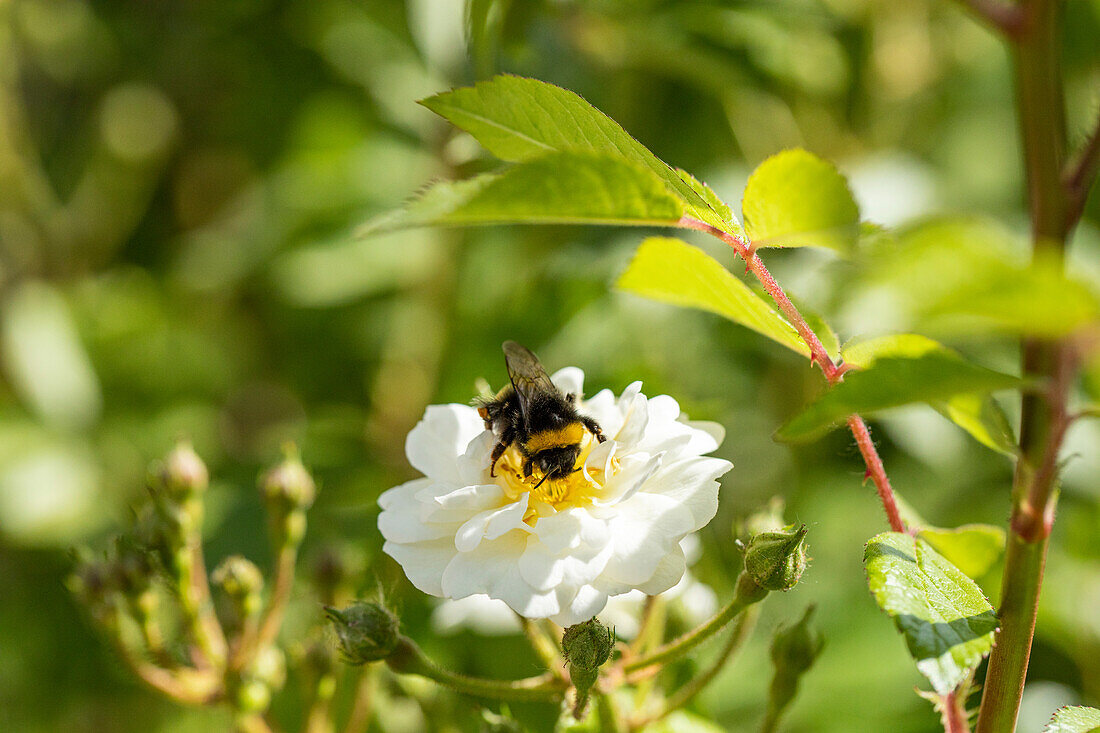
(480, 613)
(584, 603)
(635, 418)
(646, 529)
(491, 524)
(423, 562)
(634, 473)
(691, 483)
(492, 569)
(569, 380)
(404, 493)
(440, 438)
(603, 409)
(667, 573)
(457, 504)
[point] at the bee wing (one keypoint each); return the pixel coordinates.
(527, 375)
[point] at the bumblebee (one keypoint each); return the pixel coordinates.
(532, 414)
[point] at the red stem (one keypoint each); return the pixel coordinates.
(953, 714)
(833, 373)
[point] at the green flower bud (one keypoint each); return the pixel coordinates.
(587, 645)
(795, 647)
(241, 582)
(183, 473)
(776, 560)
(289, 484)
(252, 696)
(269, 667)
(365, 632)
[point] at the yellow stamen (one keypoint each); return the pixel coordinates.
(559, 492)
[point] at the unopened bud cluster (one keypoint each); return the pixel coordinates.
(220, 618)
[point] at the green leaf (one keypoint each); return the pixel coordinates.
(580, 188)
(972, 548)
(892, 382)
(979, 415)
(863, 353)
(825, 333)
(982, 417)
(673, 271)
(969, 275)
(795, 199)
(947, 623)
(519, 119)
(1076, 719)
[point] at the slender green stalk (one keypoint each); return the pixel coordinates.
(607, 713)
(1043, 419)
(545, 647)
(363, 706)
(748, 593)
(410, 659)
(742, 628)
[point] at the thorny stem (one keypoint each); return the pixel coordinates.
(833, 373)
(410, 659)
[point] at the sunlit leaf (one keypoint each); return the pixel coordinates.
(673, 271)
(978, 414)
(795, 199)
(892, 382)
(576, 188)
(519, 119)
(947, 623)
(1074, 719)
(972, 548)
(969, 275)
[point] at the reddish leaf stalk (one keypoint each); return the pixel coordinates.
(876, 471)
(953, 713)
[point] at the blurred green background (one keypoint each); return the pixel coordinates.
(178, 184)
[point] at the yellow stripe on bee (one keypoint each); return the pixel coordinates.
(571, 434)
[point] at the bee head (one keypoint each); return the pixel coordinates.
(558, 460)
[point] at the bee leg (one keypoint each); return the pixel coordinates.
(593, 427)
(498, 451)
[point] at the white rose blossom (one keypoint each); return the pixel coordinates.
(615, 527)
(694, 600)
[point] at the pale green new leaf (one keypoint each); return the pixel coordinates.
(947, 623)
(518, 119)
(1074, 719)
(673, 271)
(575, 188)
(795, 199)
(978, 414)
(892, 382)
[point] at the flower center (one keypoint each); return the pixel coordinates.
(554, 492)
